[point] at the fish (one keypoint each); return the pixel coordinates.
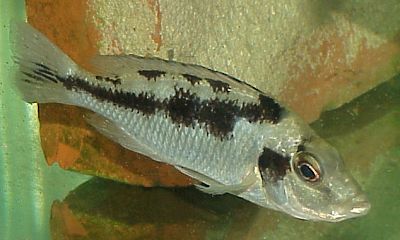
(227, 134)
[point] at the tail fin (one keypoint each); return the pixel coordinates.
(42, 66)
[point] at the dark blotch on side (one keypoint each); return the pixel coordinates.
(266, 110)
(151, 74)
(270, 110)
(187, 109)
(272, 165)
(183, 107)
(220, 116)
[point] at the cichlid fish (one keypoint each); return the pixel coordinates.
(217, 129)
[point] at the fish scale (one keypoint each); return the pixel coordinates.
(181, 143)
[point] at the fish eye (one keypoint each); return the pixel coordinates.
(307, 167)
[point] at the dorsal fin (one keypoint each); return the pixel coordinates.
(111, 65)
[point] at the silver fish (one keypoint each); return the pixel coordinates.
(217, 129)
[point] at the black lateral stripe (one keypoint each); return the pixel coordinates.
(151, 74)
(273, 165)
(184, 107)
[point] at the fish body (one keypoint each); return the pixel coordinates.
(213, 127)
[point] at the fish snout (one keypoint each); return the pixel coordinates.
(353, 207)
(359, 205)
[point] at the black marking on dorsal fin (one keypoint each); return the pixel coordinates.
(216, 85)
(231, 78)
(219, 86)
(272, 165)
(191, 78)
(151, 74)
(116, 80)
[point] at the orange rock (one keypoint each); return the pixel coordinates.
(156, 36)
(64, 223)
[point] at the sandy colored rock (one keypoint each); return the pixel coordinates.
(312, 56)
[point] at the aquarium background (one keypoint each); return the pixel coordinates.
(355, 60)
(28, 186)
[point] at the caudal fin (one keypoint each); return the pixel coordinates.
(42, 66)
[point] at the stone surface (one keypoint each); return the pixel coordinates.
(310, 55)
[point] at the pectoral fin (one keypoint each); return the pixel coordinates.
(109, 129)
(216, 188)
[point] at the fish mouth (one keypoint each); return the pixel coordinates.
(356, 207)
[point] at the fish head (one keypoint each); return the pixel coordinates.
(314, 185)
